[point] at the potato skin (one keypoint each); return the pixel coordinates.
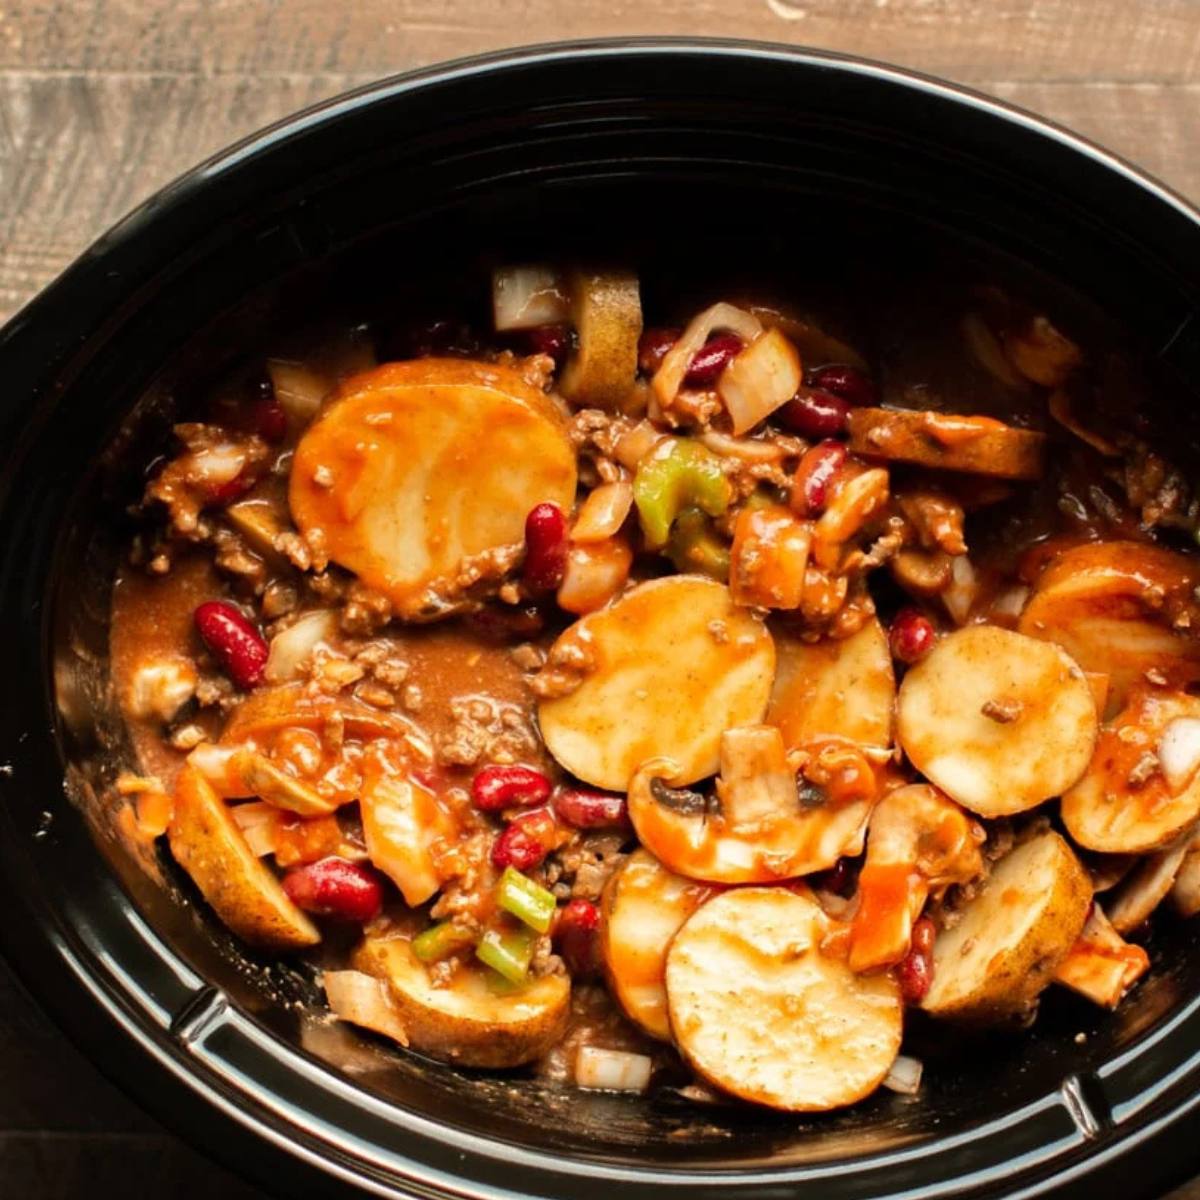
(464, 1023)
(975, 987)
(207, 843)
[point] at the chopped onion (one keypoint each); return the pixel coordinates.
(259, 823)
(963, 589)
(612, 1070)
(160, 688)
(636, 443)
(363, 1000)
(215, 763)
(982, 343)
(1011, 603)
(292, 648)
(603, 512)
(299, 389)
(1179, 752)
(748, 449)
(905, 1075)
(669, 377)
(762, 378)
(526, 297)
(217, 465)
(594, 574)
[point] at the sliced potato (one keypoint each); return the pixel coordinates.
(606, 310)
(1101, 965)
(999, 721)
(1107, 604)
(643, 908)
(670, 666)
(364, 1000)
(760, 1010)
(838, 687)
(1125, 803)
(974, 445)
(1012, 937)
(400, 483)
(207, 842)
(1146, 887)
(465, 1021)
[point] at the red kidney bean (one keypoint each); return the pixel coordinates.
(269, 420)
(711, 359)
(499, 787)
(653, 347)
(334, 887)
(545, 547)
(585, 808)
(838, 879)
(526, 841)
(576, 937)
(810, 488)
(849, 383)
(233, 641)
(554, 340)
(912, 636)
(815, 414)
(923, 933)
(914, 973)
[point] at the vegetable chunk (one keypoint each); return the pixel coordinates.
(760, 1010)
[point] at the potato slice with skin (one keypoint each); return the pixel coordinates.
(1147, 886)
(999, 721)
(1012, 937)
(207, 842)
(837, 687)
(465, 1021)
(1095, 601)
(1124, 803)
(606, 310)
(398, 479)
(643, 908)
(1101, 965)
(671, 665)
(759, 1010)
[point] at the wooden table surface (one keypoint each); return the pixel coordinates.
(103, 101)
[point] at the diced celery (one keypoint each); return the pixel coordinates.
(527, 901)
(685, 475)
(441, 941)
(508, 951)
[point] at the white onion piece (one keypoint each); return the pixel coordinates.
(1179, 752)
(526, 297)
(363, 1000)
(762, 378)
(1011, 603)
(160, 688)
(962, 590)
(982, 343)
(594, 574)
(218, 464)
(294, 646)
(299, 389)
(669, 377)
(259, 824)
(612, 1070)
(603, 512)
(635, 444)
(747, 449)
(215, 763)
(905, 1075)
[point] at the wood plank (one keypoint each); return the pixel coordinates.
(78, 151)
(1123, 40)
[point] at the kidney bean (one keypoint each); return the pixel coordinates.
(585, 808)
(848, 383)
(545, 547)
(923, 933)
(269, 420)
(810, 487)
(653, 347)
(839, 879)
(711, 359)
(576, 937)
(554, 340)
(526, 841)
(914, 973)
(815, 414)
(233, 641)
(334, 887)
(499, 787)
(912, 636)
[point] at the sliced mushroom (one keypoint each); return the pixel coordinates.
(918, 841)
(1126, 802)
(761, 1010)
(759, 828)
(999, 721)
(643, 908)
(207, 843)
(1101, 965)
(837, 687)
(238, 772)
(398, 486)
(606, 310)
(268, 711)
(465, 1020)
(993, 964)
(666, 668)
(1147, 886)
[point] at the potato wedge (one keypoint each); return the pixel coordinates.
(1101, 965)
(606, 311)
(464, 1021)
(975, 445)
(759, 1010)
(837, 687)
(397, 479)
(1125, 803)
(1108, 605)
(671, 665)
(643, 907)
(207, 843)
(999, 721)
(1012, 937)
